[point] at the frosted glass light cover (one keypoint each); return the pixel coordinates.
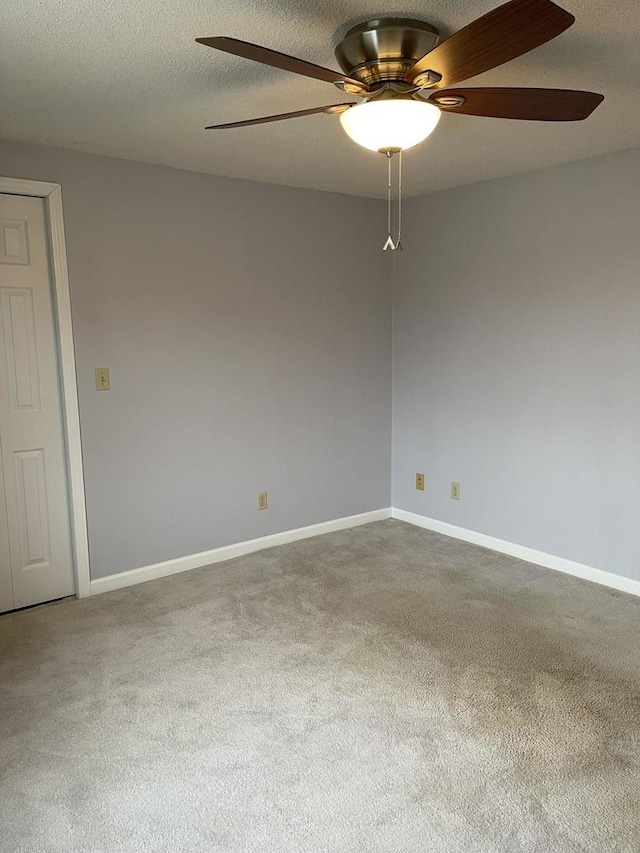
(394, 123)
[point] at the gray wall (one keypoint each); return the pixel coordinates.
(517, 360)
(248, 332)
(247, 328)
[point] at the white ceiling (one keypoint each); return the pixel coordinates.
(125, 78)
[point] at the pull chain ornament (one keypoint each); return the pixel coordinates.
(389, 243)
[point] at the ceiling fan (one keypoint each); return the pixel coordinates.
(401, 61)
(405, 73)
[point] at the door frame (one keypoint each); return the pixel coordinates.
(51, 194)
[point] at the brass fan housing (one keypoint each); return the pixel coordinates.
(384, 49)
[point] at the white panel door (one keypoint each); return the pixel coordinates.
(35, 547)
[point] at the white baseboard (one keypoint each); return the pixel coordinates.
(529, 555)
(228, 552)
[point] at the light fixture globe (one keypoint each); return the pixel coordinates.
(393, 124)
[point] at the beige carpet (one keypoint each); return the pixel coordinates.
(380, 689)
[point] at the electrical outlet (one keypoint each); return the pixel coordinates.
(262, 500)
(455, 491)
(102, 379)
(420, 482)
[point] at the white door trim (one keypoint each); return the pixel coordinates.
(52, 197)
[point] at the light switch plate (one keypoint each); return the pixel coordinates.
(102, 379)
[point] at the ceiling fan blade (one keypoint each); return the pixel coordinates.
(499, 36)
(332, 109)
(283, 61)
(526, 104)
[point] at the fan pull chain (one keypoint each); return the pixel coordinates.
(389, 243)
(399, 240)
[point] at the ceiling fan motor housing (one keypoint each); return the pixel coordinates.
(384, 49)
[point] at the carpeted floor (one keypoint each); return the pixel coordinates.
(379, 689)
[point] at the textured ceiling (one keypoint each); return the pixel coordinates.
(125, 78)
